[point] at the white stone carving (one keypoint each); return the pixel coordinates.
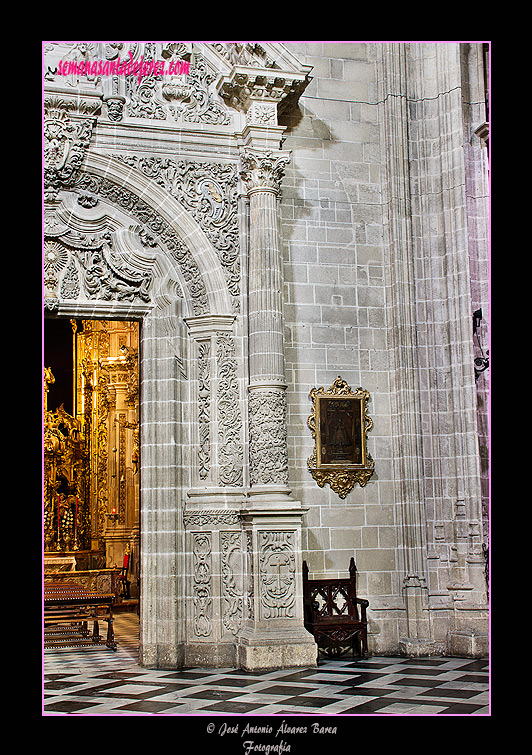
(204, 410)
(92, 261)
(67, 131)
(202, 596)
(211, 518)
(182, 98)
(231, 557)
(267, 437)
(277, 579)
(209, 191)
(229, 417)
(156, 227)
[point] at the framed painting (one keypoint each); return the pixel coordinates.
(339, 423)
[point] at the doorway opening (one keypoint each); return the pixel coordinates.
(91, 515)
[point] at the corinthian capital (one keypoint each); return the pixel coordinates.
(263, 171)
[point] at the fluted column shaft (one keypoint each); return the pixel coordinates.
(267, 387)
(265, 295)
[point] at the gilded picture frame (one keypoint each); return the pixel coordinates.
(339, 423)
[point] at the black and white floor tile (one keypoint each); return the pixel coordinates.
(98, 681)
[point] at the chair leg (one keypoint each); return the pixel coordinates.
(364, 644)
(110, 642)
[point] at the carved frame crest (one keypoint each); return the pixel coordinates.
(339, 423)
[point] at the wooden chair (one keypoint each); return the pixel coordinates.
(334, 614)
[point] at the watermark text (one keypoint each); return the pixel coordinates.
(138, 68)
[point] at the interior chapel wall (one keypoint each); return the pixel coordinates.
(335, 318)
(334, 305)
(337, 321)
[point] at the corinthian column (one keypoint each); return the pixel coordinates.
(273, 635)
(263, 172)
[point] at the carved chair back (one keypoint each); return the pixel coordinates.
(330, 598)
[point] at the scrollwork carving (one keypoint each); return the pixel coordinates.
(185, 98)
(202, 597)
(267, 437)
(231, 549)
(229, 417)
(249, 565)
(204, 413)
(209, 192)
(211, 518)
(93, 260)
(155, 226)
(70, 282)
(108, 278)
(66, 138)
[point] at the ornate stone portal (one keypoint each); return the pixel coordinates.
(162, 207)
(132, 231)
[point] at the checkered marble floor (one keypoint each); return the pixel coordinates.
(98, 681)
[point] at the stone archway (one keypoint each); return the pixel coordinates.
(96, 265)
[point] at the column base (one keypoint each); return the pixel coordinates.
(468, 644)
(210, 655)
(161, 656)
(276, 649)
(419, 648)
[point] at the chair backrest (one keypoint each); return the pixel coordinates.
(331, 597)
(125, 562)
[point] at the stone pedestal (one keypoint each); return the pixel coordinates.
(273, 635)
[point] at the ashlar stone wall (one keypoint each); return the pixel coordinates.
(350, 174)
(377, 290)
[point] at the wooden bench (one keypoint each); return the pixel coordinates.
(68, 607)
(334, 614)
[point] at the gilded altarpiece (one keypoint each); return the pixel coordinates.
(66, 522)
(91, 459)
(107, 388)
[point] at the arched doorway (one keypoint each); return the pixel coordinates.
(111, 257)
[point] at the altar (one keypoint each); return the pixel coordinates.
(59, 563)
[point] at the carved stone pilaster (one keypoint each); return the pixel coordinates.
(202, 597)
(273, 635)
(277, 577)
(229, 420)
(232, 594)
(217, 410)
(204, 409)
